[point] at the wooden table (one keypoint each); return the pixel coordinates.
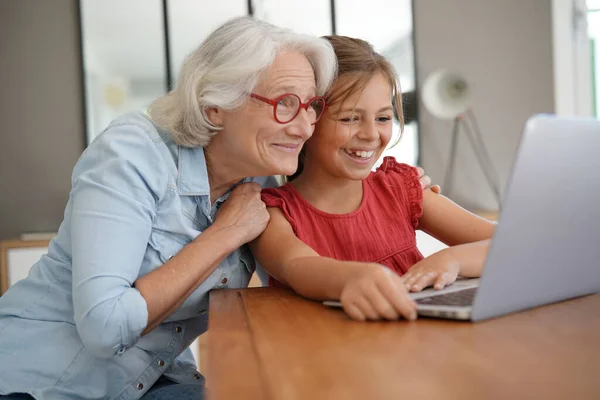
(269, 344)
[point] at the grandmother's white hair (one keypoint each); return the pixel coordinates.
(225, 69)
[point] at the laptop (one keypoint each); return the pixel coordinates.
(546, 247)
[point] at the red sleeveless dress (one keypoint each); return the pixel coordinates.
(381, 230)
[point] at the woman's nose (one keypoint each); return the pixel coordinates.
(301, 126)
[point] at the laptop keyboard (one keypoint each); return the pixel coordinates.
(461, 298)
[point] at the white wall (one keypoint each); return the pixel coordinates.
(504, 49)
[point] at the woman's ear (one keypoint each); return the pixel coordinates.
(215, 116)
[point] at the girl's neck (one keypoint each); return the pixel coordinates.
(328, 193)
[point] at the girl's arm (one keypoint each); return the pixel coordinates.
(467, 235)
(450, 223)
(367, 291)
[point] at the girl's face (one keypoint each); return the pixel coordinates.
(351, 136)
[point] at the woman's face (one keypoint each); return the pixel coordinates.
(351, 136)
(254, 139)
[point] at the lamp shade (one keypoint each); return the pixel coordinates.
(445, 94)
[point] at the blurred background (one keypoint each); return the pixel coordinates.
(68, 67)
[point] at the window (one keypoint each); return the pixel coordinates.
(133, 49)
(123, 58)
(190, 22)
(307, 16)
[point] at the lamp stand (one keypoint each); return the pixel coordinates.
(477, 145)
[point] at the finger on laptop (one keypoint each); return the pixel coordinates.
(423, 280)
(384, 306)
(415, 279)
(354, 312)
(397, 295)
(409, 278)
(366, 308)
(443, 280)
(376, 293)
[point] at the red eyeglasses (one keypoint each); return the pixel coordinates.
(287, 106)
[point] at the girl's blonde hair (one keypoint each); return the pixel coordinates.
(358, 63)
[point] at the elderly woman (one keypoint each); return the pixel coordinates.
(160, 211)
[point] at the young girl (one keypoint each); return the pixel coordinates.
(338, 230)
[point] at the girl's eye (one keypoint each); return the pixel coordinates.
(349, 119)
(384, 119)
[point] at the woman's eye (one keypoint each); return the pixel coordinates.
(349, 119)
(384, 119)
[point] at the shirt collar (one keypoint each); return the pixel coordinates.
(192, 177)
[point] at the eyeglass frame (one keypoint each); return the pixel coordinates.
(274, 102)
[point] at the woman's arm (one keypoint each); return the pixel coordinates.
(467, 234)
(367, 291)
(167, 287)
(117, 186)
(240, 219)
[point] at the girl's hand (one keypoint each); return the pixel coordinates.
(376, 293)
(437, 270)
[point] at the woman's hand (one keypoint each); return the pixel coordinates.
(244, 213)
(426, 181)
(374, 293)
(437, 270)
(241, 218)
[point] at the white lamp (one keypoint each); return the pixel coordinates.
(446, 95)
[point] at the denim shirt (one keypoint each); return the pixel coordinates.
(72, 328)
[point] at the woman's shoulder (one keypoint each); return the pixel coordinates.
(136, 123)
(130, 148)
